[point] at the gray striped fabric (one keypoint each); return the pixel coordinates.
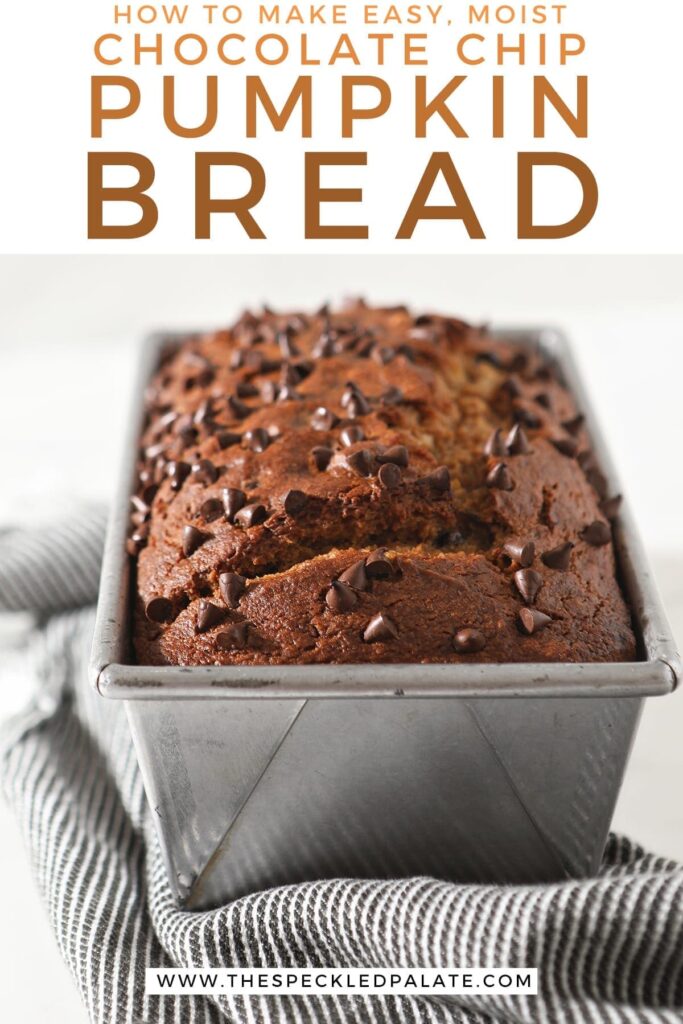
(608, 949)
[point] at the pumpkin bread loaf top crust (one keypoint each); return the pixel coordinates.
(369, 486)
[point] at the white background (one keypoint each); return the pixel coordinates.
(69, 332)
(632, 59)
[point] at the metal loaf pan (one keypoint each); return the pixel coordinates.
(266, 775)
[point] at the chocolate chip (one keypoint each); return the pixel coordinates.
(231, 587)
(165, 421)
(257, 439)
(321, 457)
(355, 575)
(495, 444)
(348, 343)
(235, 637)
(290, 375)
(288, 394)
(378, 566)
(204, 413)
(357, 405)
(324, 347)
(340, 597)
(574, 425)
(298, 322)
(439, 479)
(365, 348)
(383, 354)
(192, 539)
(182, 423)
(304, 368)
(518, 362)
(392, 396)
(208, 616)
(187, 437)
(324, 419)
(389, 476)
(159, 609)
(527, 417)
(397, 455)
(208, 428)
(450, 538)
(148, 492)
(197, 359)
(568, 446)
(597, 480)
(211, 509)
(544, 372)
(493, 358)
(596, 533)
(177, 472)
(610, 506)
(408, 353)
(523, 554)
(499, 477)
(251, 515)
(247, 324)
(294, 502)
(226, 438)
(559, 557)
(423, 334)
(510, 387)
(255, 334)
(155, 450)
(350, 389)
(245, 389)
(380, 629)
(204, 472)
(517, 443)
(141, 505)
(352, 435)
(138, 519)
(586, 459)
(270, 365)
(135, 543)
(287, 346)
(528, 582)
(469, 641)
(542, 399)
(233, 501)
(531, 620)
(237, 408)
(361, 462)
(347, 327)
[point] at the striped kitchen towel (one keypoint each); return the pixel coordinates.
(607, 949)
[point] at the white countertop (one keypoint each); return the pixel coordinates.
(69, 330)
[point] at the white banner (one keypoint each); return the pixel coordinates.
(374, 127)
(335, 981)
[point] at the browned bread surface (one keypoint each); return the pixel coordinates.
(369, 486)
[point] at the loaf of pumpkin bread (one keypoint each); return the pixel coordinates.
(367, 485)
